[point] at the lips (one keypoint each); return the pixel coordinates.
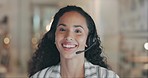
(69, 45)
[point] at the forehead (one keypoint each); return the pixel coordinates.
(72, 18)
(72, 15)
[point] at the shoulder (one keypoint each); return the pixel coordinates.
(103, 72)
(52, 72)
(107, 73)
(42, 73)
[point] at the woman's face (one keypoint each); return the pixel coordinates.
(71, 34)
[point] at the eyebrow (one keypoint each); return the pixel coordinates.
(74, 25)
(78, 26)
(62, 24)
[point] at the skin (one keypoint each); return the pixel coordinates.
(71, 35)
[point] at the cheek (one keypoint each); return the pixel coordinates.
(82, 40)
(58, 38)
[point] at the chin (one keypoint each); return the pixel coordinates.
(69, 56)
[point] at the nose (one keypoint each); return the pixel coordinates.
(68, 39)
(69, 36)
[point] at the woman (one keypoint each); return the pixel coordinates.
(58, 55)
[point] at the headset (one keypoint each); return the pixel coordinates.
(78, 52)
(91, 39)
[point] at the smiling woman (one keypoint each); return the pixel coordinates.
(72, 30)
(71, 34)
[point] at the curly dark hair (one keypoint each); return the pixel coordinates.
(47, 54)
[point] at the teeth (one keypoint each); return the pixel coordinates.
(68, 46)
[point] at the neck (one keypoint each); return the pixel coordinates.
(72, 68)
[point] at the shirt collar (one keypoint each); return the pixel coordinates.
(90, 70)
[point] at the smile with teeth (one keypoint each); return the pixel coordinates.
(69, 45)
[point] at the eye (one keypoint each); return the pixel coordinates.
(62, 29)
(78, 31)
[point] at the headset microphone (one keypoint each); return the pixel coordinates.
(78, 52)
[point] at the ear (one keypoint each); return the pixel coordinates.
(85, 45)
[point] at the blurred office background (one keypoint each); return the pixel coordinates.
(121, 24)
